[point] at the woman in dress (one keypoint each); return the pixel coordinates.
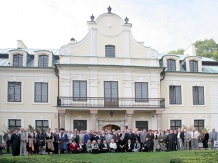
(95, 147)
(89, 146)
(40, 138)
(205, 139)
(49, 141)
(30, 144)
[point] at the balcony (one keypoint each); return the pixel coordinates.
(102, 102)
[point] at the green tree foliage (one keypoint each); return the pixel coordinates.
(179, 51)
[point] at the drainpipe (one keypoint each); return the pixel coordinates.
(163, 73)
(57, 74)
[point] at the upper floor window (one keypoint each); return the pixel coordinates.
(110, 51)
(18, 60)
(79, 90)
(43, 61)
(193, 66)
(41, 92)
(175, 94)
(141, 92)
(14, 91)
(198, 95)
(171, 65)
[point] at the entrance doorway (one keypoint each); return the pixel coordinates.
(111, 127)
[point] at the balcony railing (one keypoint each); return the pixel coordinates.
(103, 102)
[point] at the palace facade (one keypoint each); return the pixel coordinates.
(107, 80)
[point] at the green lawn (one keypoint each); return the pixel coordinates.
(139, 157)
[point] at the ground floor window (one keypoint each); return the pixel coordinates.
(42, 124)
(199, 124)
(80, 124)
(14, 124)
(175, 124)
(141, 125)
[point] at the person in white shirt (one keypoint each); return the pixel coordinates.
(194, 139)
(113, 146)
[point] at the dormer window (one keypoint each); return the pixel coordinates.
(43, 61)
(171, 65)
(193, 66)
(110, 51)
(18, 60)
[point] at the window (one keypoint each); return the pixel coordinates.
(171, 65)
(141, 125)
(80, 124)
(79, 90)
(193, 66)
(42, 124)
(175, 124)
(111, 94)
(41, 92)
(14, 91)
(175, 94)
(198, 95)
(18, 60)
(110, 51)
(199, 124)
(43, 61)
(141, 92)
(14, 124)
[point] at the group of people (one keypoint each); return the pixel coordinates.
(62, 141)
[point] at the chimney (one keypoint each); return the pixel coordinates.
(190, 51)
(21, 45)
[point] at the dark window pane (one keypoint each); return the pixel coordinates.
(199, 125)
(42, 124)
(18, 60)
(142, 125)
(41, 92)
(110, 51)
(79, 90)
(14, 91)
(193, 66)
(175, 124)
(80, 124)
(198, 95)
(171, 65)
(14, 124)
(43, 61)
(141, 92)
(175, 94)
(111, 93)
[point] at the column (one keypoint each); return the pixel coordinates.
(61, 114)
(159, 118)
(129, 114)
(93, 119)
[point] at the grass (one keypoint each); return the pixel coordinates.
(139, 157)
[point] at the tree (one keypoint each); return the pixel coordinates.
(178, 51)
(206, 48)
(215, 55)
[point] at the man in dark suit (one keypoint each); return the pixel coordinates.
(87, 137)
(171, 140)
(7, 139)
(129, 146)
(180, 139)
(15, 141)
(128, 136)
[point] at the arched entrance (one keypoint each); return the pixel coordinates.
(111, 127)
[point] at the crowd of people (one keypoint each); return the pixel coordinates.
(103, 141)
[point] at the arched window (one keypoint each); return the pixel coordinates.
(18, 60)
(110, 51)
(193, 66)
(43, 61)
(171, 65)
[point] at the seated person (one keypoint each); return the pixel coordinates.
(73, 147)
(129, 146)
(137, 146)
(144, 147)
(81, 147)
(121, 144)
(104, 147)
(89, 146)
(94, 147)
(113, 146)
(99, 145)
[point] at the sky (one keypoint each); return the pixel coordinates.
(164, 25)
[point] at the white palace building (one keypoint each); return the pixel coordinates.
(107, 80)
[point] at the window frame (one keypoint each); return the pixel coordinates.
(80, 98)
(174, 102)
(171, 67)
(175, 126)
(110, 51)
(79, 129)
(44, 128)
(14, 127)
(141, 128)
(42, 65)
(41, 96)
(197, 126)
(18, 63)
(142, 99)
(14, 91)
(197, 96)
(193, 66)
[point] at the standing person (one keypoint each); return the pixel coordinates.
(205, 139)
(102, 136)
(128, 135)
(143, 136)
(194, 139)
(156, 143)
(75, 136)
(70, 139)
(171, 140)
(55, 143)
(15, 141)
(63, 141)
(162, 141)
(213, 137)
(108, 137)
(150, 141)
(187, 138)
(23, 141)
(180, 139)
(87, 137)
(30, 144)
(7, 139)
(36, 148)
(40, 138)
(49, 141)
(116, 137)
